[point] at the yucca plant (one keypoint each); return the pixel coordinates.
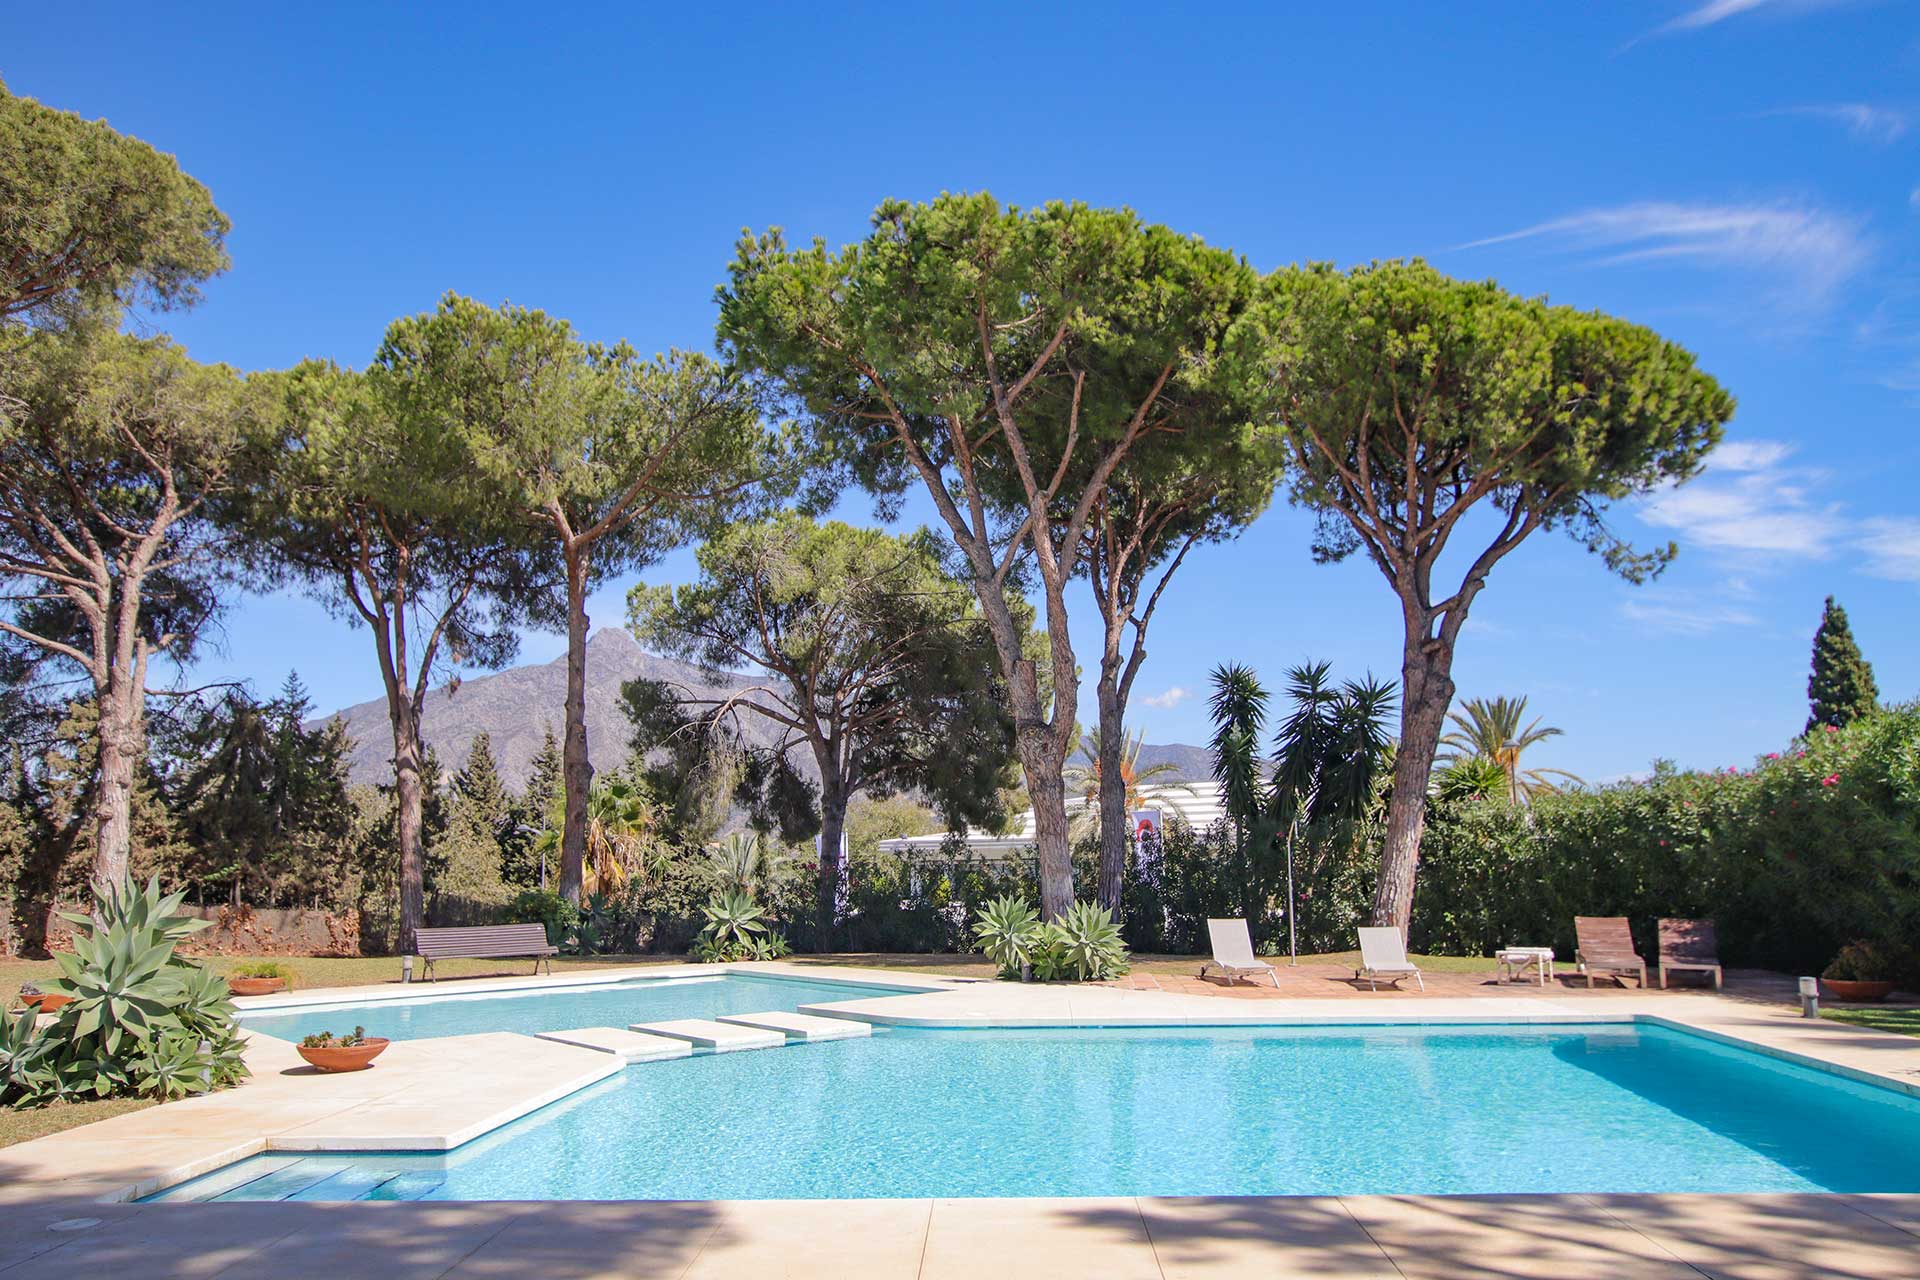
(1007, 930)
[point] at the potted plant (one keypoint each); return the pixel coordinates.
(330, 1051)
(260, 978)
(1862, 971)
(41, 1001)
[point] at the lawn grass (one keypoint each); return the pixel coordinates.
(1902, 1019)
(968, 966)
(346, 971)
(23, 1126)
(352, 971)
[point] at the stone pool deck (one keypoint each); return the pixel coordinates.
(63, 1210)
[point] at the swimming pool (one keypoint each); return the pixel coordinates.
(1166, 1111)
(533, 1010)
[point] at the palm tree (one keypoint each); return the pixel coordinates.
(622, 825)
(1085, 778)
(744, 862)
(1239, 710)
(1470, 778)
(1490, 729)
(1331, 756)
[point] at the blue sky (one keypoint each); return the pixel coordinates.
(1742, 175)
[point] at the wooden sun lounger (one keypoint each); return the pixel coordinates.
(490, 941)
(1606, 946)
(1689, 946)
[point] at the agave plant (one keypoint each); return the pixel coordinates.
(1084, 944)
(140, 1019)
(120, 972)
(26, 1053)
(735, 924)
(1007, 930)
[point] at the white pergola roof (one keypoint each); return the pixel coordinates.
(1197, 805)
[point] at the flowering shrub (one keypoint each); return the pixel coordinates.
(1805, 852)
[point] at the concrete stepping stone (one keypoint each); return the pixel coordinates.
(628, 1046)
(705, 1033)
(801, 1026)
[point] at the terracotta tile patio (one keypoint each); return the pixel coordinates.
(1322, 981)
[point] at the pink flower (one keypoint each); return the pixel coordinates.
(1773, 755)
(1831, 780)
(1663, 844)
(1831, 728)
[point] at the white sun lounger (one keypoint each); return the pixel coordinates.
(1383, 954)
(1233, 953)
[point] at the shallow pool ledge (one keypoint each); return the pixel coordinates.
(422, 1095)
(380, 992)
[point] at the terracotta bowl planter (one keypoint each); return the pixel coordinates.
(48, 1003)
(1865, 992)
(256, 986)
(355, 1058)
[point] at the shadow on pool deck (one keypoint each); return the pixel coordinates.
(1324, 1238)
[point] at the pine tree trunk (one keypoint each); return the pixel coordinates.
(1040, 742)
(1426, 686)
(409, 801)
(120, 709)
(113, 799)
(1116, 823)
(1047, 788)
(576, 768)
(833, 825)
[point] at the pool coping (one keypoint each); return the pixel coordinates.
(398, 1110)
(611, 975)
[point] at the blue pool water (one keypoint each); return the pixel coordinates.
(1190, 1111)
(617, 1004)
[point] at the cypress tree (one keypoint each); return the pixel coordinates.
(1841, 688)
(534, 813)
(478, 782)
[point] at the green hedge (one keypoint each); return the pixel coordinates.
(1812, 848)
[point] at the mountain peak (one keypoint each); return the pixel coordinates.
(517, 706)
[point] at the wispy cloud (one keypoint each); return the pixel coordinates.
(1689, 617)
(1863, 120)
(1756, 506)
(1714, 12)
(1892, 547)
(1710, 13)
(1811, 250)
(1749, 455)
(1168, 700)
(1762, 506)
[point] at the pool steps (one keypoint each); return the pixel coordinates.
(718, 1037)
(729, 1033)
(628, 1046)
(801, 1026)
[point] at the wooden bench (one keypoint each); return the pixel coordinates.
(487, 941)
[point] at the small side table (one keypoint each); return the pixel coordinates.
(1515, 961)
